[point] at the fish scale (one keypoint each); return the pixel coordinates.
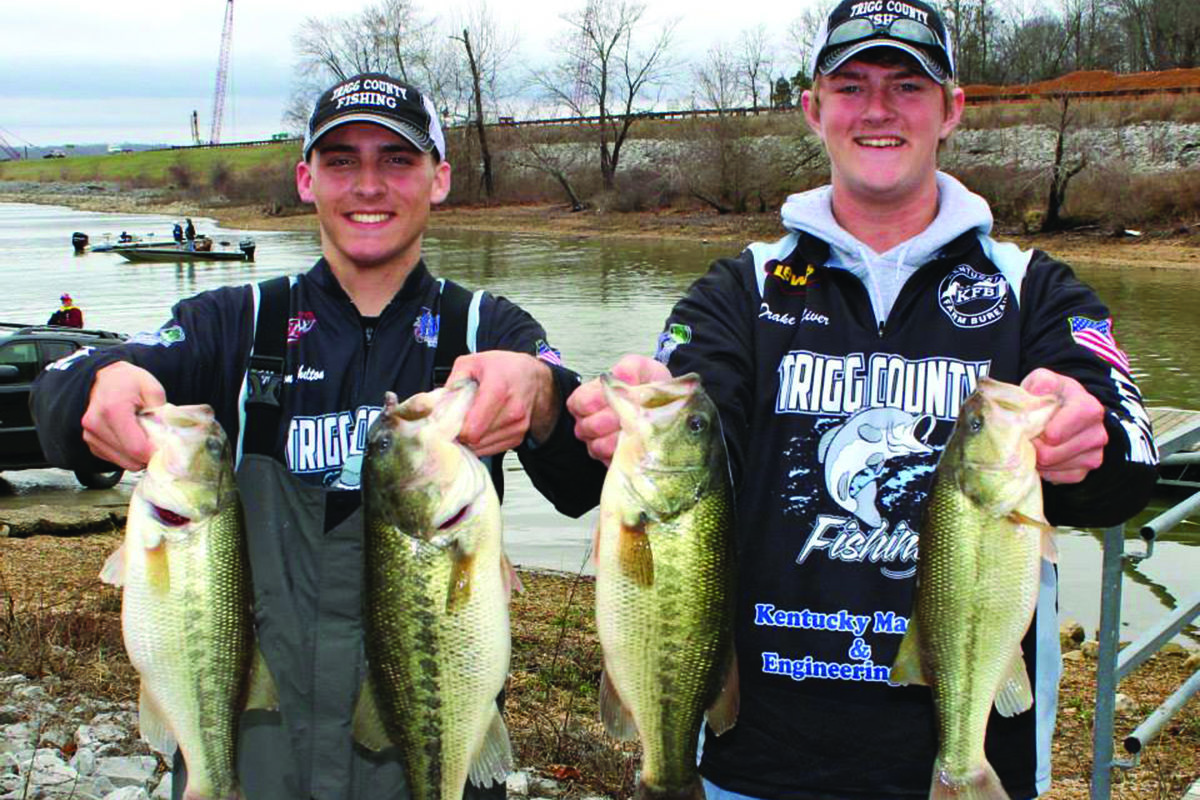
(983, 535)
(664, 604)
(186, 600)
(436, 607)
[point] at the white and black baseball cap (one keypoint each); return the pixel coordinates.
(913, 26)
(382, 100)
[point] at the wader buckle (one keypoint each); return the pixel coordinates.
(264, 387)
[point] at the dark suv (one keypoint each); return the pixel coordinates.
(25, 350)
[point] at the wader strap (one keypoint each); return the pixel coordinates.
(264, 375)
(452, 330)
(458, 325)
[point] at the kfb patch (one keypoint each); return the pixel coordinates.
(1097, 336)
(425, 328)
(972, 299)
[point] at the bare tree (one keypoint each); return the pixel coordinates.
(487, 48)
(606, 69)
(718, 78)
(754, 62)
(1061, 172)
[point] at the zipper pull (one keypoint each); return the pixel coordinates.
(881, 330)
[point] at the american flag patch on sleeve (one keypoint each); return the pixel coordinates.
(1097, 336)
(548, 354)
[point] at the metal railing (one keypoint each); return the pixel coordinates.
(1114, 663)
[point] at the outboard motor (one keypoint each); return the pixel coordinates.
(79, 241)
(247, 247)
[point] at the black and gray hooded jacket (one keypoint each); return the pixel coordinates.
(839, 373)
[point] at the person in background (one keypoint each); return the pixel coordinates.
(68, 314)
(189, 233)
(177, 233)
(366, 319)
(839, 356)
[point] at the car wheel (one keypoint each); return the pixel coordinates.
(100, 480)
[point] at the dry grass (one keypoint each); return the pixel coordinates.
(56, 618)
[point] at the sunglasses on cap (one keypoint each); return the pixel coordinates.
(906, 30)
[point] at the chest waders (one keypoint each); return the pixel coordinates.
(308, 597)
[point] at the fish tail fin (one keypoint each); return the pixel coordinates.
(980, 784)
(690, 791)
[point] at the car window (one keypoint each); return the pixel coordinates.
(53, 351)
(23, 356)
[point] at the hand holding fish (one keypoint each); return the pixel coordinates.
(596, 424)
(1072, 444)
(110, 424)
(516, 397)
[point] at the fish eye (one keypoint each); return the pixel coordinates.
(697, 423)
(975, 424)
(383, 444)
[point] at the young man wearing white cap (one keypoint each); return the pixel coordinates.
(296, 369)
(839, 357)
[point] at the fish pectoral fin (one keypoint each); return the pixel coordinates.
(261, 692)
(614, 713)
(369, 730)
(1049, 546)
(1015, 694)
(907, 669)
(512, 581)
(494, 760)
(153, 725)
(635, 555)
(459, 590)
(113, 570)
(723, 713)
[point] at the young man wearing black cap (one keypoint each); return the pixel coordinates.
(839, 357)
(327, 345)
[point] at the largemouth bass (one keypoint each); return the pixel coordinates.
(983, 537)
(436, 598)
(185, 608)
(665, 578)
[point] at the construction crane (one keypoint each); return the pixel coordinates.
(222, 75)
(581, 91)
(8, 150)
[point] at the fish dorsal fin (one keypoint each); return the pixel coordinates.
(494, 760)
(635, 554)
(1015, 694)
(907, 669)
(614, 713)
(369, 729)
(113, 570)
(153, 725)
(261, 692)
(723, 713)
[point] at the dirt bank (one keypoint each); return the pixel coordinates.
(1153, 250)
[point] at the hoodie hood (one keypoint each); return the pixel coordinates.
(959, 211)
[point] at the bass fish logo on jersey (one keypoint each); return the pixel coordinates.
(972, 299)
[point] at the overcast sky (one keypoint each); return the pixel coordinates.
(133, 70)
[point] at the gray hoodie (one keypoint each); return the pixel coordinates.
(959, 210)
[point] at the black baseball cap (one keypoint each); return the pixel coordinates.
(382, 100)
(913, 26)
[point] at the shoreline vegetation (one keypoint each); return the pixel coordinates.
(59, 620)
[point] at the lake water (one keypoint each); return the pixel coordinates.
(598, 299)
